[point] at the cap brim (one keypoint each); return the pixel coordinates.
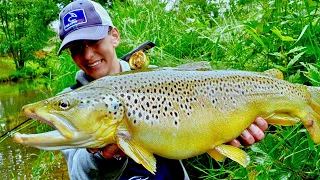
(88, 33)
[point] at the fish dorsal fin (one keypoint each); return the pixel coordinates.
(195, 66)
(137, 153)
(276, 73)
(234, 153)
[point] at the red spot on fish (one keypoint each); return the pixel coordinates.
(310, 123)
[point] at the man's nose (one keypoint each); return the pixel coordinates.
(88, 52)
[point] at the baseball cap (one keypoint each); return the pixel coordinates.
(83, 20)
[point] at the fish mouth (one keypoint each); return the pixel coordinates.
(65, 136)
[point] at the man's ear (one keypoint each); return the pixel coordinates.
(115, 35)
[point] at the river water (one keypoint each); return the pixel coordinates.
(17, 161)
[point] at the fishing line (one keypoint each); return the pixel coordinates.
(9, 132)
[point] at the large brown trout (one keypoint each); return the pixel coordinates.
(172, 112)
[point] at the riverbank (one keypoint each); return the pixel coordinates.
(7, 67)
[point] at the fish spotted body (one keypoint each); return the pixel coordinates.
(174, 113)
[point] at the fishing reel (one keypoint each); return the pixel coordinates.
(137, 58)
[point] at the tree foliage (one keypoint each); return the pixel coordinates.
(24, 27)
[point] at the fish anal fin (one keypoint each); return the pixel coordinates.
(216, 155)
(234, 153)
(282, 119)
(138, 153)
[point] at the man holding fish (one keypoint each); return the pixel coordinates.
(87, 31)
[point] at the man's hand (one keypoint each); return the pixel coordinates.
(109, 152)
(254, 133)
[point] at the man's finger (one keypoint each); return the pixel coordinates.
(256, 132)
(261, 123)
(247, 138)
(234, 143)
(110, 150)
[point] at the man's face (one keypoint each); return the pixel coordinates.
(97, 58)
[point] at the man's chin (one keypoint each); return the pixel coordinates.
(97, 73)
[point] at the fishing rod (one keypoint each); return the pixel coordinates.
(10, 131)
(141, 48)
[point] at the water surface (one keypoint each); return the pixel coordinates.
(17, 161)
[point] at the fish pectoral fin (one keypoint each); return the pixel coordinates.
(282, 119)
(234, 153)
(216, 155)
(138, 154)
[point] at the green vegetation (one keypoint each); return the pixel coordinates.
(7, 67)
(250, 35)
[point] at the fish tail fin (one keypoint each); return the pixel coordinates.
(311, 119)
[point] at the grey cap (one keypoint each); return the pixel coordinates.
(83, 20)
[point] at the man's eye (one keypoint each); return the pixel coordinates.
(76, 50)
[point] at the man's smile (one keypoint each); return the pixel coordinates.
(94, 64)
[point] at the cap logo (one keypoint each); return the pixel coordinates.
(74, 18)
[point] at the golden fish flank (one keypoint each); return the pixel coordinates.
(173, 113)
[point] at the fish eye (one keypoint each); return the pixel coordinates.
(64, 104)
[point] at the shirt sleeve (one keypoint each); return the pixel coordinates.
(85, 166)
